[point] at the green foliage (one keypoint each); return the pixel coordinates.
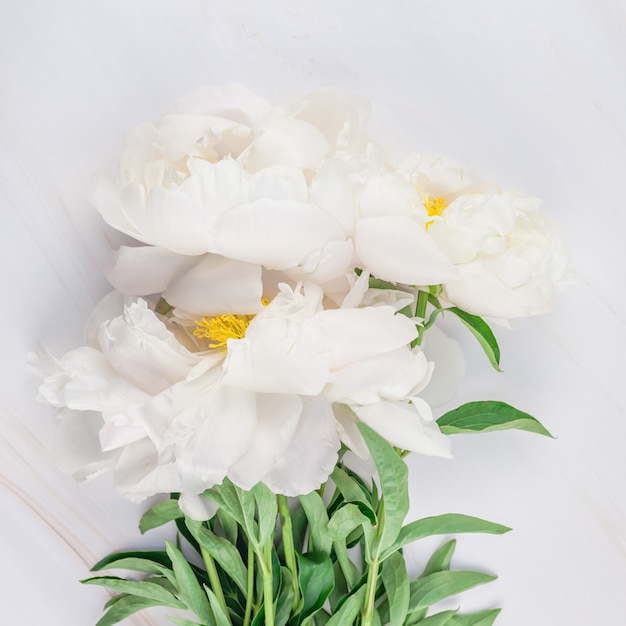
(488, 416)
(314, 578)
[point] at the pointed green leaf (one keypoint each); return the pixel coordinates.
(351, 489)
(160, 514)
(482, 618)
(221, 618)
(439, 619)
(141, 589)
(440, 585)
(393, 475)
(446, 524)
(317, 579)
(189, 590)
(125, 606)
(267, 511)
(315, 511)
(488, 416)
(284, 601)
(222, 551)
(440, 559)
(480, 329)
(349, 610)
(345, 520)
(149, 561)
(396, 582)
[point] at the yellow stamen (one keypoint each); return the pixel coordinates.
(434, 206)
(219, 329)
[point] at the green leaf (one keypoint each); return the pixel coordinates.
(440, 585)
(440, 559)
(317, 579)
(315, 511)
(396, 582)
(160, 514)
(482, 618)
(149, 561)
(351, 489)
(488, 416)
(125, 606)
(225, 496)
(225, 553)
(393, 475)
(349, 610)
(480, 329)
(446, 524)
(439, 619)
(221, 618)
(345, 520)
(140, 589)
(267, 511)
(189, 590)
(247, 505)
(284, 601)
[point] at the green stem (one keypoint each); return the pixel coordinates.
(290, 551)
(370, 593)
(214, 579)
(420, 311)
(250, 587)
(265, 560)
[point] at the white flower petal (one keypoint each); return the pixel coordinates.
(120, 430)
(287, 142)
(348, 432)
(215, 285)
(145, 270)
(355, 334)
(277, 356)
(226, 422)
(394, 375)
(76, 445)
(138, 473)
(312, 452)
(400, 250)
(341, 116)
(276, 234)
(197, 507)
(387, 195)
(277, 419)
(403, 426)
(141, 349)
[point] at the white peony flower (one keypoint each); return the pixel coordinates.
(491, 249)
(178, 405)
(228, 175)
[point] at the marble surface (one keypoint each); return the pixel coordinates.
(531, 94)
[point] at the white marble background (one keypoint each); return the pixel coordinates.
(530, 93)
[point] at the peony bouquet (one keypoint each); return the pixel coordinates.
(271, 352)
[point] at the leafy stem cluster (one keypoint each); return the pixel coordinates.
(330, 559)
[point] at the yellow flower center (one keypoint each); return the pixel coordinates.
(434, 206)
(219, 329)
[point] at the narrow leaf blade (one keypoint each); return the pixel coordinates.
(487, 416)
(480, 329)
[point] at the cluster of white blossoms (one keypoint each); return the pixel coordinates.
(244, 339)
